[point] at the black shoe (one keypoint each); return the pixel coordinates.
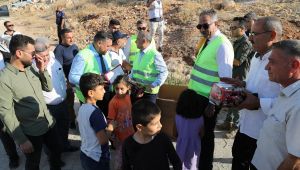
(13, 163)
(71, 148)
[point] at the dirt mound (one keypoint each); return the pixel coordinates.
(181, 19)
(86, 17)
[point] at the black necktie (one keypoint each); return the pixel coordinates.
(205, 44)
(103, 68)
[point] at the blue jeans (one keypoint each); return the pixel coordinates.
(88, 163)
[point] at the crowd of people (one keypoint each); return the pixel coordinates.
(38, 87)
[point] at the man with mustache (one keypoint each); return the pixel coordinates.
(214, 60)
(261, 92)
(278, 142)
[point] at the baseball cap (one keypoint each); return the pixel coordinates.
(117, 35)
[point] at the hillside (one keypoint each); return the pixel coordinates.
(85, 17)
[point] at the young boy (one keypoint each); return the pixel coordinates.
(92, 123)
(147, 148)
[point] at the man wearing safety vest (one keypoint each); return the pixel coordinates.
(131, 50)
(214, 60)
(149, 68)
(93, 59)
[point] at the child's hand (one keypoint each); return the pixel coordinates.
(110, 127)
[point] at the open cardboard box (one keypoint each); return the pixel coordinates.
(167, 100)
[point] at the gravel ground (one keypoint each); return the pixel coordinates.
(222, 153)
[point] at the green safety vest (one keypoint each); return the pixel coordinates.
(90, 66)
(205, 70)
(134, 51)
(144, 72)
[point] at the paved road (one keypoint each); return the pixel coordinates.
(222, 154)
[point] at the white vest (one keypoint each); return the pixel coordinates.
(156, 9)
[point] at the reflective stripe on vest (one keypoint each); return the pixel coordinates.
(144, 72)
(90, 66)
(205, 70)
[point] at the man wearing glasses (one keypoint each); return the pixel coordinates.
(23, 110)
(131, 50)
(214, 60)
(242, 56)
(6, 36)
(261, 92)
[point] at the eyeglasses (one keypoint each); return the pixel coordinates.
(141, 28)
(33, 53)
(10, 25)
(204, 26)
(257, 33)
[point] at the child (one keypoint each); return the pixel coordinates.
(92, 123)
(116, 52)
(189, 124)
(119, 115)
(147, 148)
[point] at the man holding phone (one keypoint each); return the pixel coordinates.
(22, 105)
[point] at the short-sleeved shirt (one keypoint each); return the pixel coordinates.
(65, 55)
(150, 156)
(119, 110)
(91, 120)
(60, 15)
(280, 134)
(116, 57)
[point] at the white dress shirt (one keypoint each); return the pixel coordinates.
(280, 134)
(6, 38)
(58, 94)
(225, 56)
(156, 9)
(257, 81)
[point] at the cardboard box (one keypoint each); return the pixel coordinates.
(167, 100)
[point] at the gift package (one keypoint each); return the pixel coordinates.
(227, 95)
